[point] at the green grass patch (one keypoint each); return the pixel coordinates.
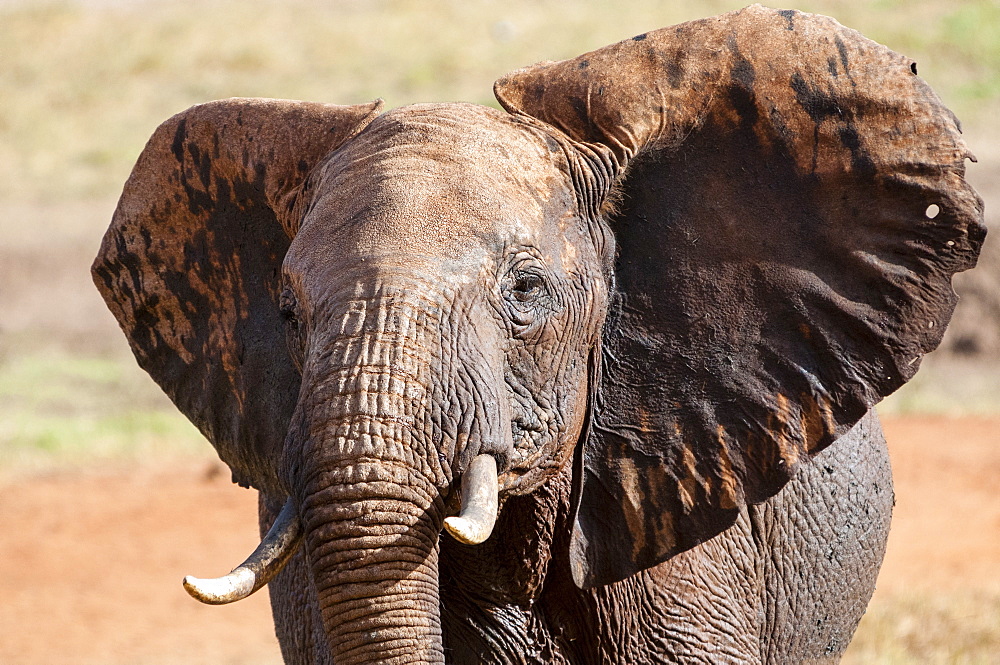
(61, 383)
(43, 442)
(59, 410)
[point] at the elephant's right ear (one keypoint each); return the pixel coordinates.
(191, 264)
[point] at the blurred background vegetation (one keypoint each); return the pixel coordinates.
(83, 84)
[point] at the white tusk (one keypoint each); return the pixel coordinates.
(474, 523)
(277, 547)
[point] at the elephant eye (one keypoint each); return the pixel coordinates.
(287, 305)
(528, 298)
(527, 286)
(527, 292)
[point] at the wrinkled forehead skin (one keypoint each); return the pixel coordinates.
(444, 187)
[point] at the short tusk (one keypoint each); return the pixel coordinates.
(278, 546)
(474, 523)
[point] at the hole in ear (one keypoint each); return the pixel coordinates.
(932, 211)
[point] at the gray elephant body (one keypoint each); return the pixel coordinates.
(788, 583)
(641, 310)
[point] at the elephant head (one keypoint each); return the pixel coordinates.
(680, 265)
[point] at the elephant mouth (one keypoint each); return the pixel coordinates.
(472, 526)
(539, 450)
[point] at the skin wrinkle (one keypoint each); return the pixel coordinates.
(330, 534)
(859, 478)
(665, 596)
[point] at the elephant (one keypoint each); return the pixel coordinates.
(586, 379)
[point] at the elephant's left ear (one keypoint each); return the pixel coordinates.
(792, 209)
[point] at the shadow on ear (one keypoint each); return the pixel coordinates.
(191, 264)
(793, 208)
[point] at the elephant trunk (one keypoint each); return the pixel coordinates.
(371, 534)
(371, 455)
(370, 487)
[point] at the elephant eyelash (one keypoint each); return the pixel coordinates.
(528, 296)
(525, 289)
(527, 286)
(288, 310)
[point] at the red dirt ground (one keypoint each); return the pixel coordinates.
(91, 563)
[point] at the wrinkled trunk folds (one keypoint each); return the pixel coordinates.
(372, 543)
(372, 509)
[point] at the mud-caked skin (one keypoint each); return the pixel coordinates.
(662, 290)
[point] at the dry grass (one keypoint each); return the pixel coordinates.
(926, 628)
(948, 385)
(63, 410)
